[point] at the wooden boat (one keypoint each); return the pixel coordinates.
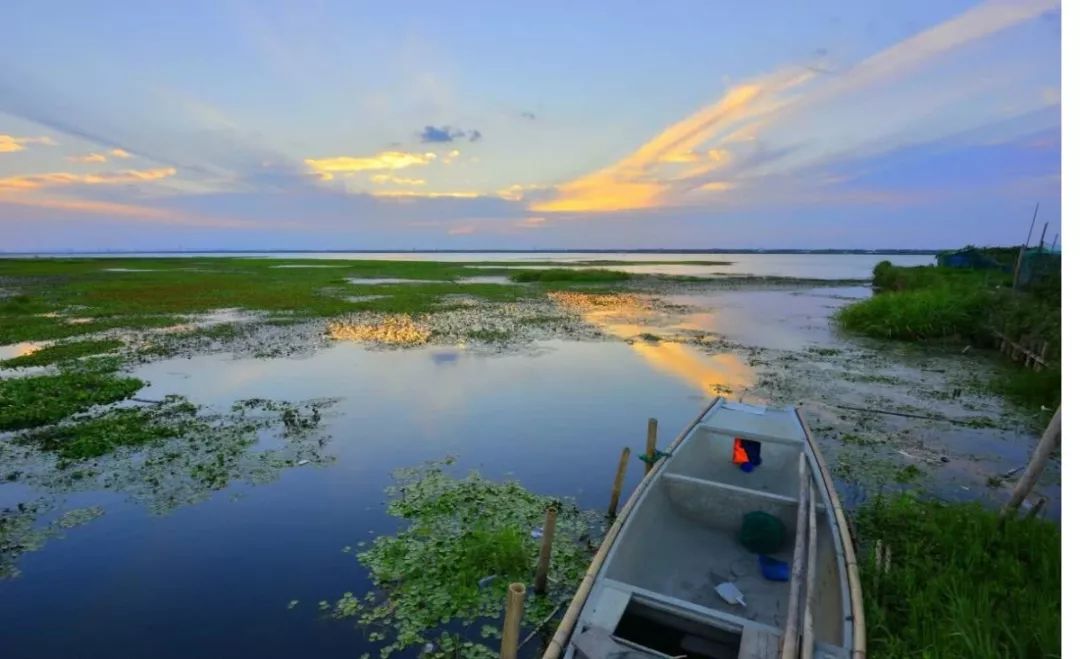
(651, 589)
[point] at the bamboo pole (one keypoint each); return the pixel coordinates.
(1050, 439)
(650, 446)
(616, 488)
(515, 607)
(540, 585)
(1020, 256)
(811, 576)
(851, 562)
(791, 625)
(566, 626)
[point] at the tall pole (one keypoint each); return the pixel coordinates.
(1050, 440)
(1042, 238)
(1020, 256)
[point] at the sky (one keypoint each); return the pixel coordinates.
(232, 124)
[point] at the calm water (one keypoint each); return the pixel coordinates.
(815, 266)
(214, 578)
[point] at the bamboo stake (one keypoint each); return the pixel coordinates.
(650, 446)
(616, 488)
(566, 627)
(811, 575)
(540, 585)
(1049, 441)
(851, 563)
(515, 607)
(791, 626)
(1020, 256)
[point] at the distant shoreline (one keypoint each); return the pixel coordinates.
(880, 252)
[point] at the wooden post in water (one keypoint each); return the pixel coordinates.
(515, 607)
(1050, 439)
(650, 446)
(540, 585)
(616, 488)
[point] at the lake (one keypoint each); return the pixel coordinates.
(214, 577)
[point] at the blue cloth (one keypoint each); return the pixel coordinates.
(772, 569)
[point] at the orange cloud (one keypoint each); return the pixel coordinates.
(58, 179)
(88, 158)
(10, 143)
(386, 160)
(635, 182)
(119, 153)
(397, 180)
(694, 154)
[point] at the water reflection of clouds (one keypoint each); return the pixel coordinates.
(629, 317)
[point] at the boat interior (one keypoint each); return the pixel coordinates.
(656, 593)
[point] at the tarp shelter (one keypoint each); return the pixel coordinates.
(969, 257)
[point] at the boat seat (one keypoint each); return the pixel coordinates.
(764, 439)
(759, 644)
(595, 643)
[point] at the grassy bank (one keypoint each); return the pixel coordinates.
(928, 303)
(58, 298)
(946, 580)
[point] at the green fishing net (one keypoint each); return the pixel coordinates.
(762, 533)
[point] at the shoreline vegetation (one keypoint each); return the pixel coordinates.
(935, 574)
(950, 580)
(970, 307)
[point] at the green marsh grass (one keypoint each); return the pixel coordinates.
(585, 275)
(39, 400)
(62, 353)
(959, 582)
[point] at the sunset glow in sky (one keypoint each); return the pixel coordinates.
(336, 125)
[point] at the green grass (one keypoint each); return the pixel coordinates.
(43, 399)
(914, 315)
(929, 303)
(585, 275)
(958, 585)
(893, 278)
(91, 438)
(1038, 391)
(52, 292)
(62, 353)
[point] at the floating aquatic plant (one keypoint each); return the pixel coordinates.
(465, 541)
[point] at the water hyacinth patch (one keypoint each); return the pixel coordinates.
(465, 541)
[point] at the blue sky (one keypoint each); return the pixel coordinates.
(328, 125)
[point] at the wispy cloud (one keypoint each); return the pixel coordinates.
(448, 134)
(89, 158)
(60, 179)
(11, 144)
(425, 195)
(390, 179)
(386, 160)
(75, 208)
(797, 118)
